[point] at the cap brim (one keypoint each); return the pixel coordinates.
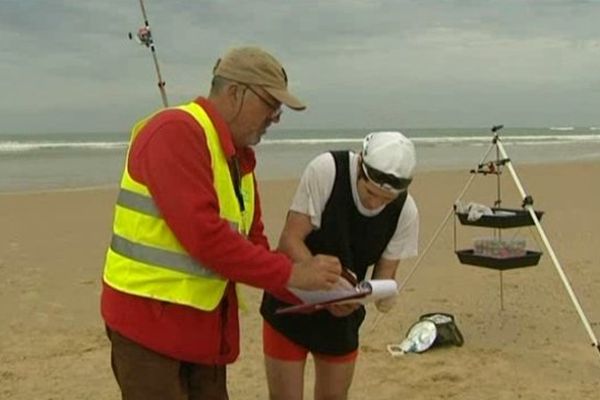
(286, 98)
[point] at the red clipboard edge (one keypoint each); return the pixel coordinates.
(308, 308)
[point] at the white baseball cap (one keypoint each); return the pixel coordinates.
(389, 159)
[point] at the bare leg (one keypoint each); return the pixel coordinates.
(333, 379)
(285, 379)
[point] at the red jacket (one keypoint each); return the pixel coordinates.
(170, 156)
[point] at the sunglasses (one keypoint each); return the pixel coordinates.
(383, 179)
(277, 111)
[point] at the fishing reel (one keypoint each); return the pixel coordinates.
(143, 36)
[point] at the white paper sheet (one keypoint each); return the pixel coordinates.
(366, 292)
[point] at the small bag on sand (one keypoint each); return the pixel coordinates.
(433, 329)
(447, 332)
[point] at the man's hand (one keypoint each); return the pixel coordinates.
(345, 282)
(385, 305)
(320, 272)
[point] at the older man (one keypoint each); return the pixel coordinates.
(188, 226)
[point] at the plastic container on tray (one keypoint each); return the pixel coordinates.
(499, 248)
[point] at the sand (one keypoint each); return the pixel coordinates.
(52, 343)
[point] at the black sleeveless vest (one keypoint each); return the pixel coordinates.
(358, 241)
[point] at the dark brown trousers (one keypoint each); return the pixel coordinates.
(145, 375)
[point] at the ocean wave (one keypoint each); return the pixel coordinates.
(451, 140)
(314, 141)
(17, 147)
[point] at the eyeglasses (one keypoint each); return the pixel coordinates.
(383, 179)
(277, 111)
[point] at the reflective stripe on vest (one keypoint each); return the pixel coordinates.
(155, 256)
(138, 202)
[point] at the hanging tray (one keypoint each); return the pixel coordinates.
(518, 217)
(530, 259)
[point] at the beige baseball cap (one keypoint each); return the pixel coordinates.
(254, 66)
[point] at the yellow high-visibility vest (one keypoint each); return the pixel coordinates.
(146, 259)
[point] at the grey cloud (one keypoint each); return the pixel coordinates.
(355, 62)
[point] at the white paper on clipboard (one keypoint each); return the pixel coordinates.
(365, 292)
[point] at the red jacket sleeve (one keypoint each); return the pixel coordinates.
(171, 158)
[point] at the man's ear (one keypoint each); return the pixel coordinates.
(234, 91)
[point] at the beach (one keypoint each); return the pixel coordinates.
(53, 346)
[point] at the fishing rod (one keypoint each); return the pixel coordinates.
(144, 37)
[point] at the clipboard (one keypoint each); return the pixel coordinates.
(364, 292)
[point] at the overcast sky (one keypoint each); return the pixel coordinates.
(68, 66)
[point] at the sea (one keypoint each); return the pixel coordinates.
(54, 161)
